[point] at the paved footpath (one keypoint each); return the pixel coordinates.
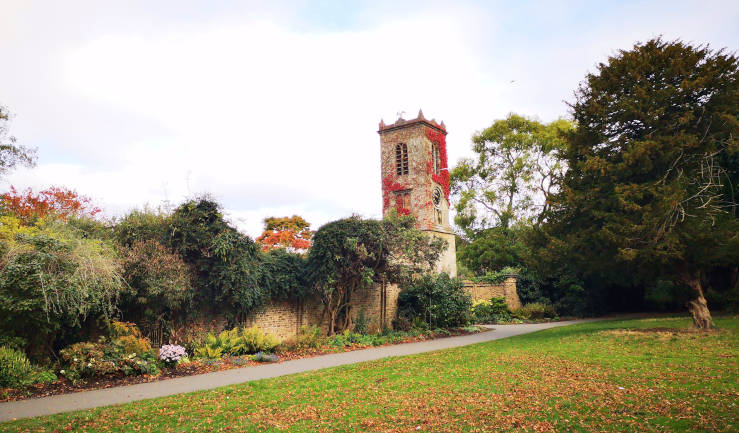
(124, 394)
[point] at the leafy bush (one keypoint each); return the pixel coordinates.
(127, 352)
(493, 311)
(224, 262)
(308, 337)
(52, 278)
(172, 354)
(255, 340)
(236, 342)
(537, 311)
(86, 360)
(437, 300)
(15, 370)
(361, 324)
(158, 282)
(127, 338)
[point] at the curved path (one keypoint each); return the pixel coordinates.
(124, 394)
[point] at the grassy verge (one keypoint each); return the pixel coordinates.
(634, 375)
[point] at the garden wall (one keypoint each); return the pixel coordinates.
(283, 319)
(485, 291)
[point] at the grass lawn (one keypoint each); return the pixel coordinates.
(631, 375)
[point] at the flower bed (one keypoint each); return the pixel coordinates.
(349, 342)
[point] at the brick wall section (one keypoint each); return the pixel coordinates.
(485, 291)
(283, 319)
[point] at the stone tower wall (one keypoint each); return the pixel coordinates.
(420, 136)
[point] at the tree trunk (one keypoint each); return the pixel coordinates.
(698, 307)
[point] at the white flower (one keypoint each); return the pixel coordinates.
(61, 371)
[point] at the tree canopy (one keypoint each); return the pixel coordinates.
(513, 176)
(352, 254)
(649, 190)
(292, 234)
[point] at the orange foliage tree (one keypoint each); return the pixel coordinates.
(58, 201)
(290, 233)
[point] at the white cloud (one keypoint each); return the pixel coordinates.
(133, 106)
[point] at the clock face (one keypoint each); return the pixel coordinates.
(436, 195)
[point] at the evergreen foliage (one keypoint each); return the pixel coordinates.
(647, 193)
(438, 300)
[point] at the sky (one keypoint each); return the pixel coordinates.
(273, 107)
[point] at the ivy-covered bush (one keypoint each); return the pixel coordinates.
(158, 282)
(437, 300)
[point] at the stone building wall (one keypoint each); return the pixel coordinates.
(485, 291)
(420, 136)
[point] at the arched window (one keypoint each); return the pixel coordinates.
(401, 159)
(437, 159)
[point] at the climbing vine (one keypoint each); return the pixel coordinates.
(390, 186)
(438, 138)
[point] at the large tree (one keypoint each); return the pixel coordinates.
(509, 184)
(514, 174)
(352, 254)
(647, 191)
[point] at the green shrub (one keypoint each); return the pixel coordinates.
(401, 324)
(128, 353)
(53, 278)
(493, 311)
(308, 337)
(438, 300)
(218, 345)
(537, 311)
(86, 359)
(236, 342)
(255, 340)
(15, 370)
(361, 325)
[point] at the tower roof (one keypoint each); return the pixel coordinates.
(402, 123)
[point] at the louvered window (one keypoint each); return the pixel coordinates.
(401, 159)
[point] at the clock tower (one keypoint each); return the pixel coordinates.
(415, 178)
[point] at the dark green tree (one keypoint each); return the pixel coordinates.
(647, 192)
(224, 263)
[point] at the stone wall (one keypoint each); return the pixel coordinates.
(485, 291)
(284, 319)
